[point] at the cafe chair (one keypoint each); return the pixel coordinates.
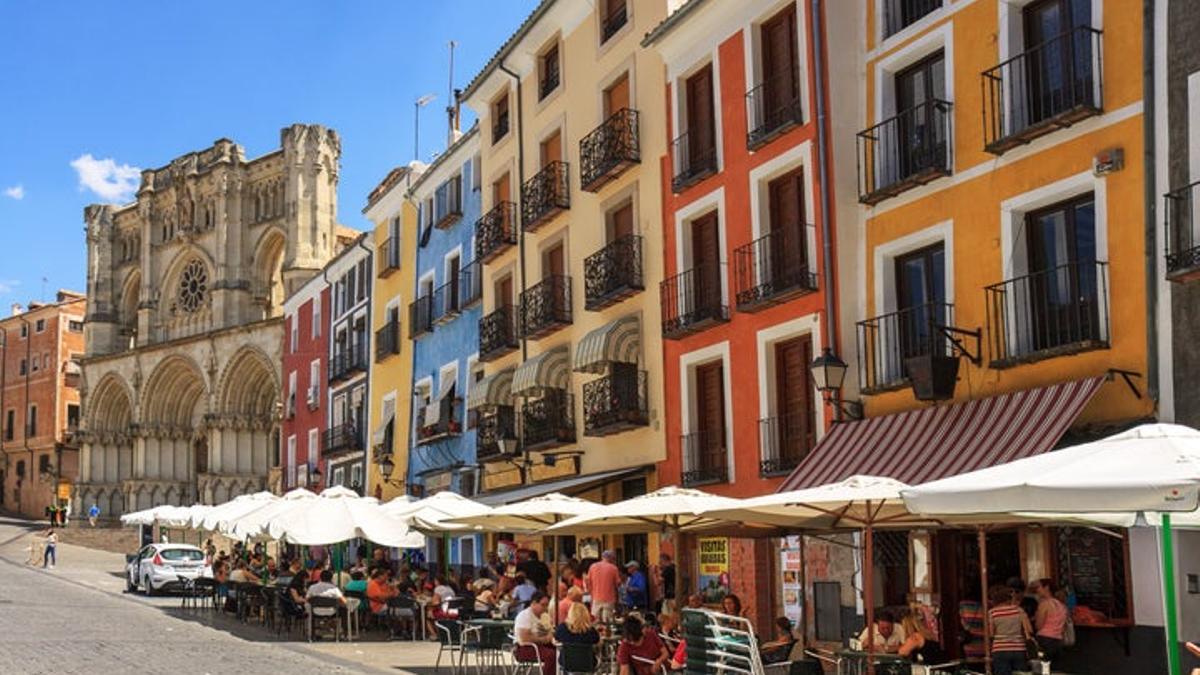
(524, 665)
(662, 670)
(486, 644)
(402, 611)
(321, 613)
(450, 641)
(577, 659)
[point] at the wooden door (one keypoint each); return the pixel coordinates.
(504, 292)
(452, 278)
(551, 149)
(788, 254)
(616, 97)
(710, 408)
(706, 271)
(622, 223)
(553, 262)
(500, 190)
(700, 127)
(779, 59)
(796, 421)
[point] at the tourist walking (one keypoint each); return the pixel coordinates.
(49, 558)
(94, 513)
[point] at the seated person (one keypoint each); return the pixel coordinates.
(241, 575)
(534, 641)
(577, 628)
(325, 588)
(573, 595)
(919, 644)
(779, 649)
(668, 625)
(293, 600)
(357, 583)
(888, 636)
(641, 642)
(379, 591)
(524, 590)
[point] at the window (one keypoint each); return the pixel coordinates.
(314, 444)
(24, 331)
(293, 335)
(356, 477)
(22, 368)
(10, 421)
(788, 435)
(695, 150)
(615, 16)
(40, 326)
(20, 468)
(75, 326)
(500, 118)
(72, 415)
(291, 404)
(548, 72)
(314, 384)
(291, 459)
(339, 476)
(477, 173)
(46, 361)
(704, 453)
(31, 427)
(1063, 289)
(316, 318)
(44, 466)
(900, 14)
(34, 364)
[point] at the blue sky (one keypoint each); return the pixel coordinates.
(90, 91)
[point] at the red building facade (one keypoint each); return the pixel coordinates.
(744, 296)
(305, 389)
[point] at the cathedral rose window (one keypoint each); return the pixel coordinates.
(193, 286)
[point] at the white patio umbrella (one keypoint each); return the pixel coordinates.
(338, 515)
(181, 517)
(667, 509)
(252, 523)
(232, 509)
(1153, 469)
(435, 514)
(145, 516)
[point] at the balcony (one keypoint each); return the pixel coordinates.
(773, 269)
(447, 423)
(615, 402)
(420, 316)
(389, 256)
(905, 151)
(347, 361)
(1183, 234)
(704, 459)
(693, 301)
(1062, 310)
(772, 108)
(900, 14)
(498, 333)
(695, 158)
(613, 23)
(496, 231)
(546, 307)
(447, 203)
(885, 342)
(387, 340)
(341, 438)
(545, 195)
(613, 273)
(784, 441)
(493, 426)
(446, 299)
(470, 283)
(1046, 88)
(548, 422)
(609, 149)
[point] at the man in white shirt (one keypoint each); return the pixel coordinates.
(534, 640)
(888, 634)
(325, 588)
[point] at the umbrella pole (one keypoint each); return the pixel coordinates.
(554, 582)
(983, 588)
(1169, 600)
(869, 591)
(804, 606)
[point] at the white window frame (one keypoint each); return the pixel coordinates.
(356, 475)
(687, 387)
(293, 334)
(752, 39)
(766, 340)
(679, 104)
(760, 203)
(714, 200)
(316, 317)
(292, 471)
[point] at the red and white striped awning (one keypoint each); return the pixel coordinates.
(937, 442)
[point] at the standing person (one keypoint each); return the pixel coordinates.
(536, 571)
(636, 592)
(1050, 619)
(1010, 630)
(50, 557)
(603, 580)
(666, 579)
(94, 513)
(534, 639)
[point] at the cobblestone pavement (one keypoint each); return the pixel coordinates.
(77, 618)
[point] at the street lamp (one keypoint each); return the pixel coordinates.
(418, 104)
(828, 374)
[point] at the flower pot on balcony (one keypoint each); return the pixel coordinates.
(933, 376)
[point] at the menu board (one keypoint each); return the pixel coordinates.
(1088, 569)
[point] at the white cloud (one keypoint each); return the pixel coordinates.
(16, 192)
(110, 181)
(8, 286)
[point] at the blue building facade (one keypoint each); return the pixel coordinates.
(443, 323)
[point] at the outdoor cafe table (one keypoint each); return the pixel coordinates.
(493, 633)
(854, 662)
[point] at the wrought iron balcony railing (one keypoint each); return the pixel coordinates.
(615, 402)
(613, 23)
(704, 459)
(1062, 310)
(341, 438)
(609, 149)
(900, 14)
(1183, 232)
(387, 340)
(548, 421)
(695, 158)
(613, 273)
(910, 149)
(498, 333)
(886, 341)
(1050, 86)
(470, 284)
(447, 203)
(389, 256)
(496, 231)
(545, 195)
(420, 316)
(347, 360)
(449, 421)
(546, 307)
(693, 301)
(785, 440)
(773, 268)
(446, 299)
(773, 107)
(492, 426)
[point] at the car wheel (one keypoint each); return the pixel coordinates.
(130, 587)
(148, 587)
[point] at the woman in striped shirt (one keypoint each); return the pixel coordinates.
(1010, 629)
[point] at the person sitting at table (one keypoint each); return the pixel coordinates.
(357, 583)
(271, 569)
(779, 649)
(574, 595)
(325, 588)
(524, 591)
(443, 589)
(642, 642)
(379, 591)
(241, 575)
(636, 589)
(485, 596)
(1010, 629)
(577, 628)
(887, 636)
(920, 645)
(534, 640)
(694, 601)
(668, 625)
(293, 600)
(731, 605)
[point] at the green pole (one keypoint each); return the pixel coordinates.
(1168, 567)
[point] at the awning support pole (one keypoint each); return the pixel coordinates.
(1169, 601)
(869, 591)
(983, 588)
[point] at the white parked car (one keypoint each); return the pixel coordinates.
(163, 567)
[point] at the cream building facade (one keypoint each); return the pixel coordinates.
(184, 332)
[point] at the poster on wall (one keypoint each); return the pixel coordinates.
(714, 569)
(789, 569)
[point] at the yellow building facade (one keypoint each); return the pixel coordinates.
(1027, 227)
(571, 113)
(390, 392)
